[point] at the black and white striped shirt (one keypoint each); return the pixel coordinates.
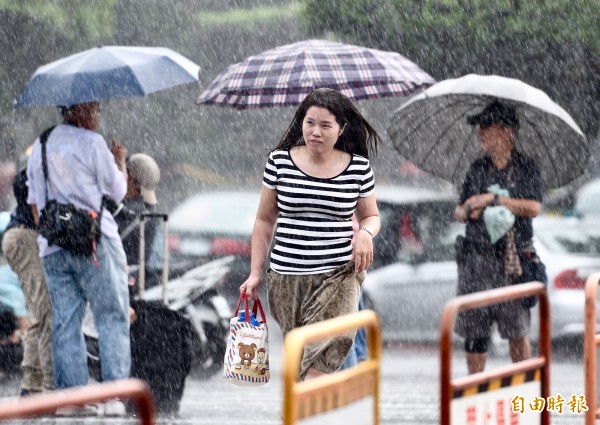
(314, 225)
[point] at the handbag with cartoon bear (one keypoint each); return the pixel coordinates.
(247, 354)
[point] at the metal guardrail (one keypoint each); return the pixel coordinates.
(44, 404)
(326, 393)
(480, 299)
(590, 349)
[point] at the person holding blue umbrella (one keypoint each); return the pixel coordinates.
(75, 167)
(72, 164)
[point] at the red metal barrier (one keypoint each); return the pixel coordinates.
(539, 365)
(590, 346)
(132, 389)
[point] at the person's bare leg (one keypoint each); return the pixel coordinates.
(520, 349)
(476, 362)
(312, 373)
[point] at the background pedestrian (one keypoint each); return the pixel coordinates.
(505, 178)
(143, 176)
(20, 247)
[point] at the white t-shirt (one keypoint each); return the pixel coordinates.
(81, 168)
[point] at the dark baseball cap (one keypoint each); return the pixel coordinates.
(496, 113)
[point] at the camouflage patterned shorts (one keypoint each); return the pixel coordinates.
(299, 300)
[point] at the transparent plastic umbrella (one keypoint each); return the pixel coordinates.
(431, 130)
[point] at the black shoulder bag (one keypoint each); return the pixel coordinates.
(72, 228)
(533, 270)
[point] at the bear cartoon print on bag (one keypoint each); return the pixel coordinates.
(246, 353)
(246, 360)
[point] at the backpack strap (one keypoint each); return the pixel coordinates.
(43, 139)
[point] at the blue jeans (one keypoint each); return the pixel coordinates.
(73, 281)
(358, 351)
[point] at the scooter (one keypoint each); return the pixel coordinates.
(194, 296)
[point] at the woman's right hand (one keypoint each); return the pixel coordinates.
(251, 286)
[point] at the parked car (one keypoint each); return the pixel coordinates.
(211, 225)
(587, 199)
(409, 296)
(410, 217)
(216, 224)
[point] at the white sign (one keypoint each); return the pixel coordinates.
(495, 407)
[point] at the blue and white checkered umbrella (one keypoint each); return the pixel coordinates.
(105, 73)
(285, 75)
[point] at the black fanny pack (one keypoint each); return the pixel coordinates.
(75, 229)
(71, 228)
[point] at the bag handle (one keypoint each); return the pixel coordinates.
(237, 309)
(257, 306)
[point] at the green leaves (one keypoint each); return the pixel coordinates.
(547, 43)
(94, 17)
(482, 20)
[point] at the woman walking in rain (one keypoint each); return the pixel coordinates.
(496, 253)
(314, 181)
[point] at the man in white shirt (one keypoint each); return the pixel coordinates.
(81, 169)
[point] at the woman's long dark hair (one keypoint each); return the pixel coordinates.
(359, 137)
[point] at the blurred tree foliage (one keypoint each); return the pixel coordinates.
(33, 32)
(551, 44)
(78, 20)
(197, 147)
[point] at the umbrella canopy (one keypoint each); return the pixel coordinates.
(587, 200)
(431, 129)
(105, 73)
(285, 75)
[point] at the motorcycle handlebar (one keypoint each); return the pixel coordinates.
(164, 216)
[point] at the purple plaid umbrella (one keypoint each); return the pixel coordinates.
(285, 75)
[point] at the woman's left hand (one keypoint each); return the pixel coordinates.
(363, 251)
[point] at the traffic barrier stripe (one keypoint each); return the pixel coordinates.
(494, 384)
(339, 395)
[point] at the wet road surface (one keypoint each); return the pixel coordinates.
(409, 392)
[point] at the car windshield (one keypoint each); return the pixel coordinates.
(559, 237)
(568, 238)
(223, 213)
